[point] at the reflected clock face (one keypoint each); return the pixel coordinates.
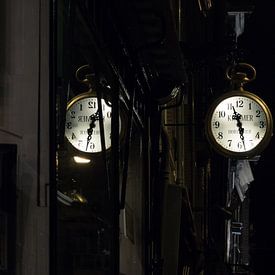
(239, 124)
(82, 123)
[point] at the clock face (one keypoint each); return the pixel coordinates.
(82, 118)
(239, 125)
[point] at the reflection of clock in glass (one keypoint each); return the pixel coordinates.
(239, 124)
(82, 123)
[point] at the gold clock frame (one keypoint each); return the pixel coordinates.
(79, 97)
(122, 115)
(84, 75)
(263, 143)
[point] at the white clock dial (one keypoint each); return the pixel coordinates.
(79, 116)
(238, 123)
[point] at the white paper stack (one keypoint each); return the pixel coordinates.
(243, 177)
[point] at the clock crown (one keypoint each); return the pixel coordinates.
(237, 77)
(87, 78)
(238, 80)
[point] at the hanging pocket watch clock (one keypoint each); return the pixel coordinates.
(239, 123)
(82, 128)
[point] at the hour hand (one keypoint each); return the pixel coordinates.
(236, 116)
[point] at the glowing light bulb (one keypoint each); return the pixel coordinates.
(81, 160)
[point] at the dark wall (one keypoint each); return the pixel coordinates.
(258, 41)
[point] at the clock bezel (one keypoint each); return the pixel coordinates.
(260, 146)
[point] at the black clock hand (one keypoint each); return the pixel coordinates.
(90, 132)
(93, 119)
(241, 131)
(238, 116)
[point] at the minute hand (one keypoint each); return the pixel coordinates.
(238, 116)
(92, 125)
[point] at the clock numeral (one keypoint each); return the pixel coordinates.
(92, 104)
(229, 142)
(80, 107)
(257, 135)
(221, 113)
(220, 135)
(109, 114)
(72, 114)
(73, 136)
(258, 113)
(262, 124)
(69, 125)
(229, 106)
(216, 124)
(92, 146)
(240, 145)
(239, 103)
